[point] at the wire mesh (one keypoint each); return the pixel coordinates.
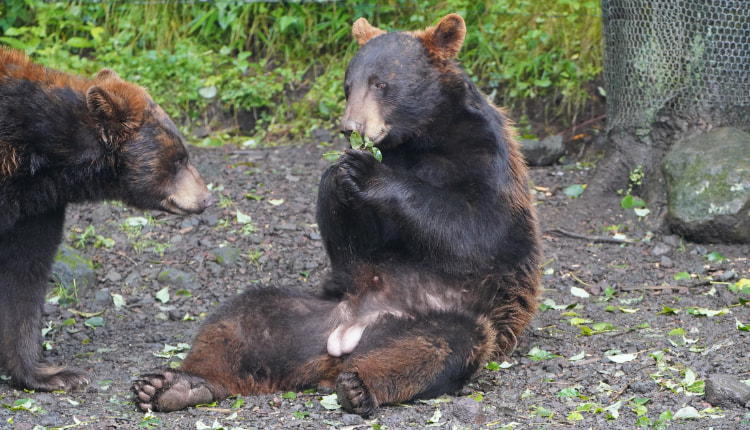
(686, 58)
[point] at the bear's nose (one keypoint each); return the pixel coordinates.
(349, 125)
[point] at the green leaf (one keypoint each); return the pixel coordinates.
(243, 218)
(568, 392)
(208, 92)
(476, 396)
(578, 357)
(163, 295)
(688, 412)
(622, 358)
(537, 354)
(715, 257)
(707, 312)
(330, 402)
(94, 322)
(117, 300)
(667, 311)
(290, 395)
(574, 191)
(492, 366)
(574, 416)
(79, 42)
(355, 140)
(742, 327)
(579, 292)
(332, 156)
(681, 276)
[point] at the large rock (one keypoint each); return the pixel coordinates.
(708, 186)
(542, 152)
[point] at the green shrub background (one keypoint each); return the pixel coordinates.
(285, 61)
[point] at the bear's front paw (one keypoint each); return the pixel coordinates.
(45, 378)
(355, 170)
(354, 396)
(168, 391)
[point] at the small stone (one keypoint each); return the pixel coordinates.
(727, 276)
(666, 262)
(466, 410)
(661, 249)
(352, 419)
(102, 297)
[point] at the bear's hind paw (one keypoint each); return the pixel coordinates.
(169, 391)
(354, 396)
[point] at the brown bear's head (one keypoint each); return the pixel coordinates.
(148, 153)
(400, 84)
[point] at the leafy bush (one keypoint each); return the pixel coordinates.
(285, 61)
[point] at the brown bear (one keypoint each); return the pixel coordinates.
(64, 139)
(434, 251)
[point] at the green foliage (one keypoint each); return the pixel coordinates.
(283, 62)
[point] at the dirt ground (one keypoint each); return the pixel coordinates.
(627, 336)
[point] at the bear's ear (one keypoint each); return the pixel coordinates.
(105, 74)
(364, 31)
(444, 40)
(110, 114)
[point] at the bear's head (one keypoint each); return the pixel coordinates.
(400, 84)
(150, 160)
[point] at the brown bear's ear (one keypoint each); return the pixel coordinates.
(110, 115)
(444, 40)
(105, 74)
(363, 31)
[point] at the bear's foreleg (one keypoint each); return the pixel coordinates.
(400, 359)
(27, 252)
(351, 232)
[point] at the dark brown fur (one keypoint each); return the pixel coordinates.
(65, 139)
(434, 252)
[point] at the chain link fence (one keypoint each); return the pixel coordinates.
(683, 58)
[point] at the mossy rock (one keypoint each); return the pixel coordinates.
(708, 186)
(73, 268)
(227, 256)
(178, 279)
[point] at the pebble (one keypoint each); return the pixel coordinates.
(466, 410)
(661, 249)
(352, 419)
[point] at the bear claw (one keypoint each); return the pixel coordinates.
(354, 396)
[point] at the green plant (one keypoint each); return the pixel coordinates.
(89, 236)
(629, 201)
(283, 62)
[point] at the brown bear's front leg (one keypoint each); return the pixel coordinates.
(27, 251)
(401, 359)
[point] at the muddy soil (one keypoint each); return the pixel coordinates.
(624, 339)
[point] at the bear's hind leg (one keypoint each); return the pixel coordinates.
(27, 251)
(263, 341)
(398, 360)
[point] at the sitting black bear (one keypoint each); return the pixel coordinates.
(434, 252)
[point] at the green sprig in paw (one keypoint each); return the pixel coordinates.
(358, 142)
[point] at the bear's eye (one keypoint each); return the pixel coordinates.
(180, 164)
(380, 85)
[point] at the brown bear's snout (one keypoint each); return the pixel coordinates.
(348, 126)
